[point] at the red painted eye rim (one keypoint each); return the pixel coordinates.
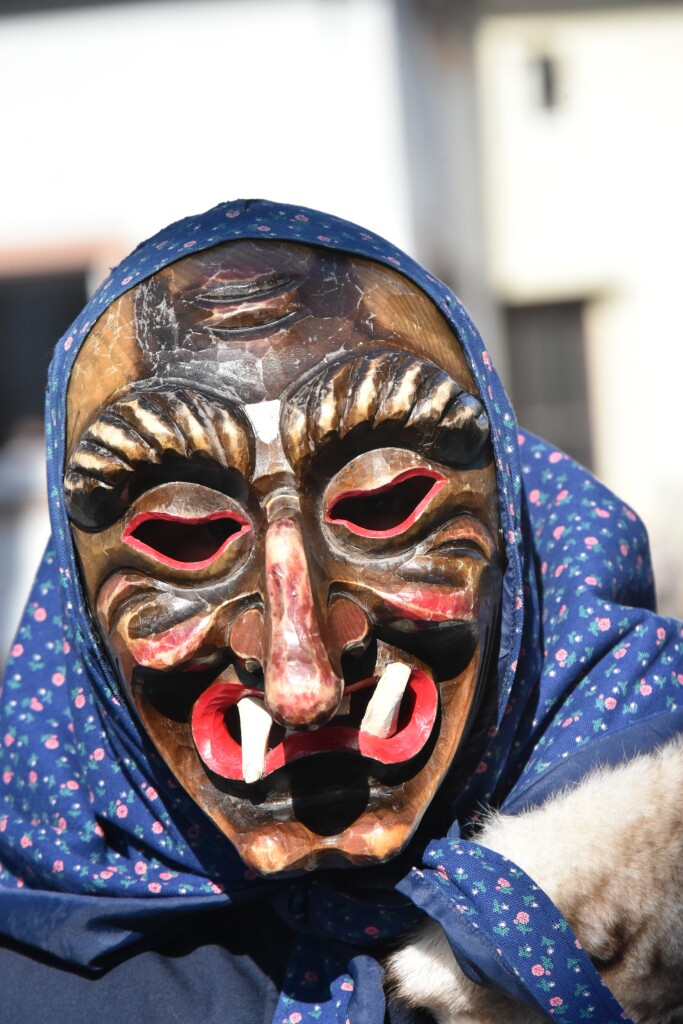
(362, 531)
(174, 563)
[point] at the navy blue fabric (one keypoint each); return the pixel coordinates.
(92, 819)
(212, 967)
(216, 967)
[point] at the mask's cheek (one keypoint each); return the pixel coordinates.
(458, 698)
(417, 603)
(151, 628)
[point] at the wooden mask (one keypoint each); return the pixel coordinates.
(282, 494)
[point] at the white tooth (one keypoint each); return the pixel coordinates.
(345, 706)
(255, 723)
(381, 715)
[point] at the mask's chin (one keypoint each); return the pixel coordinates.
(290, 847)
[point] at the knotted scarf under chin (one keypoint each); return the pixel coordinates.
(333, 975)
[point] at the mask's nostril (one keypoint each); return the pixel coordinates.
(246, 639)
(350, 627)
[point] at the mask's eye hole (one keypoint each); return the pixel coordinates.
(184, 543)
(387, 510)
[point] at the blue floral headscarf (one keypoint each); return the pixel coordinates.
(98, 843)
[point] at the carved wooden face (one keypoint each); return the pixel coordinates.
(283, 499)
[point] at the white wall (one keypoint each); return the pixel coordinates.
(115, 121)
(586, 200)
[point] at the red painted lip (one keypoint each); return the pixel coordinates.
(223, 754)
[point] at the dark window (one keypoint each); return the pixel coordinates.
(34, 312)
(544, 77)
(547, 374)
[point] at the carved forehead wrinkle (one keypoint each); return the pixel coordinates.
(240, 258)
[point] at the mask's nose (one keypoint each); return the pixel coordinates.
(301, 687)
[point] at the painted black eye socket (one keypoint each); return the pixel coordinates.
(183, 543)
(388, 510)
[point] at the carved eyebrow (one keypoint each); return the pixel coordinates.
(144, 427)
(385, 388)
(239, 289)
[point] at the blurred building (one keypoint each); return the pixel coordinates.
(530, 153)
(577, 160)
